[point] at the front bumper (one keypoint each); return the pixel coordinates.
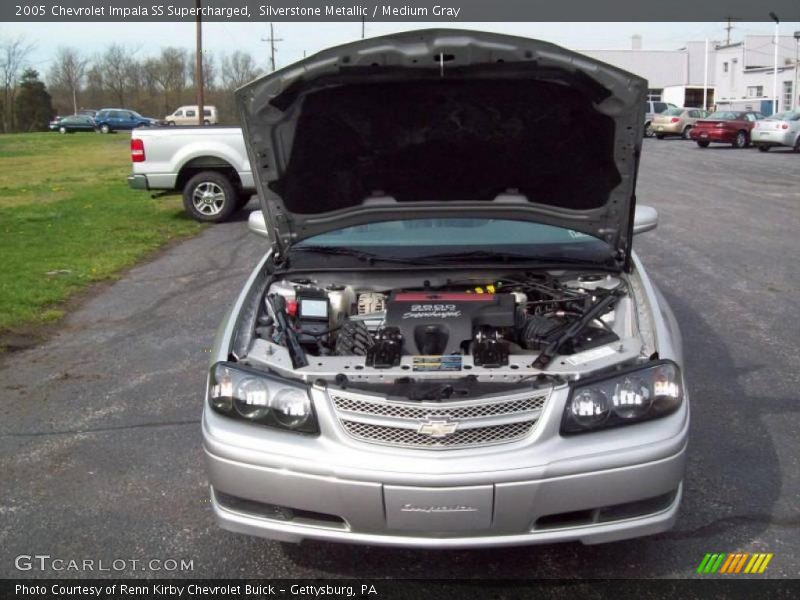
(138, 182)
(549, 489)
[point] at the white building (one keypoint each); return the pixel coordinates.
(738, 75)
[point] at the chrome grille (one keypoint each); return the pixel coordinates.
(477, 436)
(408, 411)
(439, 425)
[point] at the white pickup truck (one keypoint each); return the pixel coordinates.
(208, 165)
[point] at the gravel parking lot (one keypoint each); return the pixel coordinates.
(100, 453)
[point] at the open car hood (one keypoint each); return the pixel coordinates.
(440, 123)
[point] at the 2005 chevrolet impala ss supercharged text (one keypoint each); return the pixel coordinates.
(449, 342)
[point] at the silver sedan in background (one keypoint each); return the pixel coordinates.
(782, 129)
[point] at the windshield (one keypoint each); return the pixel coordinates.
(673, 112)
(416, 238)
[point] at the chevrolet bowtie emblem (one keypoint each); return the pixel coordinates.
(437, 429)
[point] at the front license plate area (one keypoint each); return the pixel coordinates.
(432, 510)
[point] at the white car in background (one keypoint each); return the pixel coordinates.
(782, 129)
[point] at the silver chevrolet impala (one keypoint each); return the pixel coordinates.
(449, 341)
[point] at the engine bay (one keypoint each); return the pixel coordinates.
(515, 323)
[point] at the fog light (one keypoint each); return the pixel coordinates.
(589, 407)
(632, 398)
(291, 407)
(252, 398)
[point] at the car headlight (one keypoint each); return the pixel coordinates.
(248, 395)
(629, 396)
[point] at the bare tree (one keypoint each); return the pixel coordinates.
(167, 73)
(67, 73)
(209, 71)
(115, 67)
(238, 69)
(13, 55)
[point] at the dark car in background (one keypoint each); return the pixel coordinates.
(120, 119)
(726, 127)
(72, 124)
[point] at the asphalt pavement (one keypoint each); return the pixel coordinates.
(100, 451)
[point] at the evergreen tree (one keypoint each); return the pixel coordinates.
(33, 105)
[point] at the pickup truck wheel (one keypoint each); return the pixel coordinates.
(171, 123)
(105, 128)
(210, 196)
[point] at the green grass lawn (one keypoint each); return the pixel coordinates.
(68, 219)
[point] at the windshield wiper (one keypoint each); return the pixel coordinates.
(357, 254)
(491, 255)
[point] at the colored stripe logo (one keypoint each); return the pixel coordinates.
(738, 562)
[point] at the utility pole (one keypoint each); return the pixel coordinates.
(272, 39)
(728, 30)
(705, 77)
(198, 69)
(796, 98)
(775, 68)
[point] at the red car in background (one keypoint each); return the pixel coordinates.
(725, 127)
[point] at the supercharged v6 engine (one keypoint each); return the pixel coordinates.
(437, 326)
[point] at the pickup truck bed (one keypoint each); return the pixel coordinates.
(208, 165)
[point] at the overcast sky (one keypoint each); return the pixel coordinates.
(220, 38)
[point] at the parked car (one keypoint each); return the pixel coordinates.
(725, 127)
(449, 341)
(72, 124)
(208, 165)
(651, 109)
(187, 115)
(677, 121)
(782, 129)
(87, 112)
(120, 119)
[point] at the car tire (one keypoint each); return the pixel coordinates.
(104, 128)
(206, 123)
(660, 136)
(62, 130)
(210, 197)
(763, 148)
(686, 132)
(702, 144)
(740, 141)
(648, 130)
(796, 146)
(170, 123)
